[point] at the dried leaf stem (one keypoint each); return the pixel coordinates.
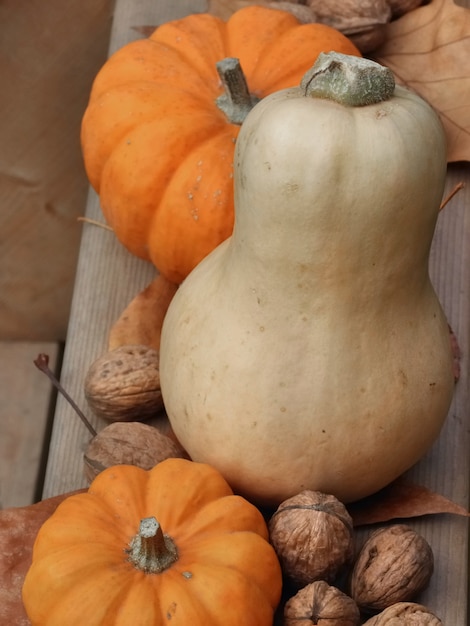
(42, 363)
(449, 197)
(88, 220)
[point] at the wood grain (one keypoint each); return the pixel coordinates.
(108, 278)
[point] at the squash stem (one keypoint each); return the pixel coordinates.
(348, 80)
(152, 551)
(237, 101)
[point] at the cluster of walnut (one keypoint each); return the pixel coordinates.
(312, 532)
(122, 387)
(313, 536)
(363, 22)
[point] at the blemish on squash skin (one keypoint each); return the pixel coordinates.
(171, 611)
(290, 188)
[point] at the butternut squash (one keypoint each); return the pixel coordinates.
(309, 350)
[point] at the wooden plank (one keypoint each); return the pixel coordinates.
(108, 277)
(25, 403)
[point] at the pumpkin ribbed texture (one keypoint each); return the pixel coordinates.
(225, 572)
(157, 149)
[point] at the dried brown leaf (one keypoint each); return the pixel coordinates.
(401, 500)
(18, 529)
(428, 49)
(140, 324)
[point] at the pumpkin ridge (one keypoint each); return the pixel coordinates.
(297, 50)
(159, 490)
(72, 588)
(102, 513)
(193, 609)
(144, 587)
(199, 38)
(247, 41)
(130, 205)
(121, 110)
(149, 61)
(227, 514)
(189, 204)
(220, 585)
(122, 489)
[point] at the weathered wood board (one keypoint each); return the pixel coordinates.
(108, 277)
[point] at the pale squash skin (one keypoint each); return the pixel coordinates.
(310, 351)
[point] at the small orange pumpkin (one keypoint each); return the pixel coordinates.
(102, 559)
(158, 149)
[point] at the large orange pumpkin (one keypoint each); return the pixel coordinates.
(103, 559)
(158, 149)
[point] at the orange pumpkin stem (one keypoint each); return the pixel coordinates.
(151, 551)
(237, 101)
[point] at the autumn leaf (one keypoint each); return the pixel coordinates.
(141, 321)
(428, 49)
(401, 500)
(18, 530)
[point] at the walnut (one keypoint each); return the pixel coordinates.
(124, 384)
(400, 7)
(319, 603)
(394, 565)
(405, 614)
(363, 22)
(312, 534)
(129, 443)
(303, 13)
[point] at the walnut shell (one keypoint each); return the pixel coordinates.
(319, 603)
(400, 7)
(394, 565)
(370, 39)
(303, 13)
(405, 614)
(312, 534)
(128, 443)
(124, 384)
(363, 22)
